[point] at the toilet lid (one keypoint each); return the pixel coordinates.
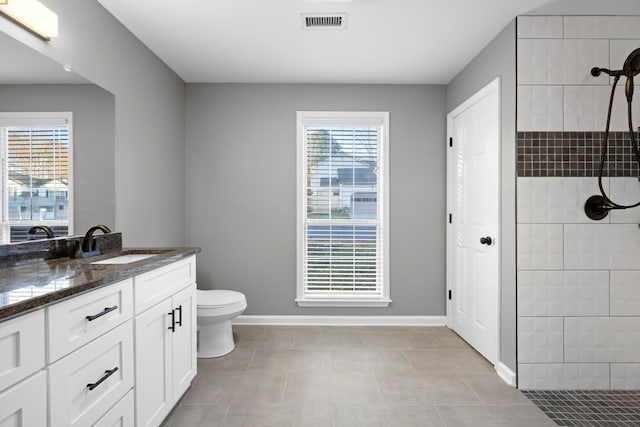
(218, 297)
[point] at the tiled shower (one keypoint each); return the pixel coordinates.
(578, 279)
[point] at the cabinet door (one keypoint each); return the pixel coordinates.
(25, 404)
(154, 397)
(184, 341)
(21, 347)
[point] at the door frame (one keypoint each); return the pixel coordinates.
(494, 85)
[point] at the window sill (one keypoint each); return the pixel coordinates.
(346, 302)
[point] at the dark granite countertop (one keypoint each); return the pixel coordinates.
(34, 284)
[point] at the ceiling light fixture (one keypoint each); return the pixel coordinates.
(31, 15)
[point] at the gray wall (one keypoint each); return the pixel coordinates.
(499, 59)
(241, 189)
(93, 156)
(149, 117)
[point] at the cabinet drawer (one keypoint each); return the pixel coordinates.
(120, 415)
(154, 286)
(75, 322)
(72, 402)
(21, 347)
(25, 404)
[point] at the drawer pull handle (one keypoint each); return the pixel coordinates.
(102, 313)
(106, 375)
(172, 328)
(179, 321)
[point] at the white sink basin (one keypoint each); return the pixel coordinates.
(124, 259)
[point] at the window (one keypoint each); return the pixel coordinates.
(343, 209)
(35, 161)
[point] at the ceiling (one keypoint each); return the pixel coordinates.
(262, 41)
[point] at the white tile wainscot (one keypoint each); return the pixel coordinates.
(601, 246)
(563, 376)
(540, 247)
(561, 61)
(540, 27)
(563, 293)
(602, 27)
(540, 108)
(556, 200)
(540, 339)
(625, 376)
(602, 339)
(625, 293)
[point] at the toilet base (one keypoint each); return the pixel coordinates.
(215, 339)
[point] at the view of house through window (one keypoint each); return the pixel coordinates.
(35, 164)
(342, 207)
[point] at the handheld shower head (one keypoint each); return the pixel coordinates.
(631, 65)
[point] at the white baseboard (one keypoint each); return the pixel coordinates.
(506, 374)
(342, 320)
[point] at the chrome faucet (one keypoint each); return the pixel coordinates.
(89, 247)
(33, 230)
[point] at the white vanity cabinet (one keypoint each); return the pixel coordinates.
(165, 339)
(120, 355)
(23, 399)
(90, 354)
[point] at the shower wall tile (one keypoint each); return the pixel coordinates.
(563, 293)
(540, 108)
(625, 191)
(557, 61)
(567, 376)
(540, 61)
(602, 339)
(601, 246)
(579, 56)
(585, 107)
(625, 376)
(540, 293)
(578, 280)
(602, 27)
(540, 27)
(587, 339)
(618, 52)
(540, 247)
(540, 339)
(625, 293)
(556, 200)
(619, 116)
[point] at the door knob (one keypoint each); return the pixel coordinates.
(486, 240)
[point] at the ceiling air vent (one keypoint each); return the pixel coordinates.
(313, 21)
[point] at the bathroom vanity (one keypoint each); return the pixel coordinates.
(102, 341)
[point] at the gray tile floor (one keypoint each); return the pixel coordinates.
(351, 376)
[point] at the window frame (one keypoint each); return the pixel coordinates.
(342, 118)
(37, 119)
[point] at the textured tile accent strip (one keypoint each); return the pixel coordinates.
(589, 408)
(574, 154)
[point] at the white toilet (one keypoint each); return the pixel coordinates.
(216, 309)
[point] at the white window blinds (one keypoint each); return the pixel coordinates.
(342, 204)
(36, 173)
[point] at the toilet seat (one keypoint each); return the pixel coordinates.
(218, 298)
(218, 303)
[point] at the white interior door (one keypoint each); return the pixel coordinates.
(473, 202)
